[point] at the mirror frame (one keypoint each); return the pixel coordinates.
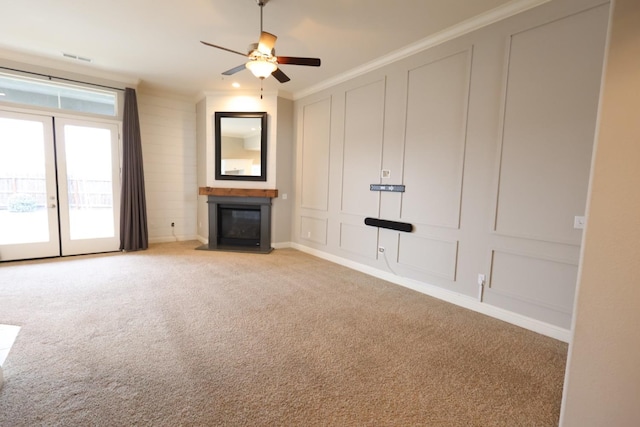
(219, 115)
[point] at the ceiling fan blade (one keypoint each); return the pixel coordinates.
(223, 48)
(312, 62)
(280, 76)
(234, 70)
(267, 43)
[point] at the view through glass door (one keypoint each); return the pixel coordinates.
(28, 193)
(59, 186)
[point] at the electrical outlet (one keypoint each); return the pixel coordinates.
(381, 249)
(173, 224)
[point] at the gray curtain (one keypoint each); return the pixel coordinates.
(133, 208)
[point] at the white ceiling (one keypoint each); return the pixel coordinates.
(158, 41)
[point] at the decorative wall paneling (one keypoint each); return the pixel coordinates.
(551, 99)
(313, 229)
(363, 124)
(432, 256)
(549, 284)
(436, 129)
(362, 148)
(359, 239)
(492, 135)
(549, 115)
(314, 190)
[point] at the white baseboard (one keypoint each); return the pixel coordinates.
(281, 245)
(458, 299)
(168, 239)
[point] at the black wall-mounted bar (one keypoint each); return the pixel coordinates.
(392, 225)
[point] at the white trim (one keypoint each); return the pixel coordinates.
(502, 12)
(458, 299)
(176, 238)
(281, 245)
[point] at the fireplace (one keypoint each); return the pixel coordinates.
(240, 222)
(238, 225)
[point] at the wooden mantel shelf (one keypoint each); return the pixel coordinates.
(237, 192)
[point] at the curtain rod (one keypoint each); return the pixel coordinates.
(62, 78)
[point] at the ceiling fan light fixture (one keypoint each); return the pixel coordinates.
(263, 61)
(261, 68)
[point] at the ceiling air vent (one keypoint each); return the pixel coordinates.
(76, 57)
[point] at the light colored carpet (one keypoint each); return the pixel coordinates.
(173, 336)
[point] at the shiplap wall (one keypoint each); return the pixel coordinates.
(168, 131)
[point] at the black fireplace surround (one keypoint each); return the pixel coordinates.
(239, 224)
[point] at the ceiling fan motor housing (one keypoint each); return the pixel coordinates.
(253, 51)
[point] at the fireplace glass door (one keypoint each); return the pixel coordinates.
(239, 225)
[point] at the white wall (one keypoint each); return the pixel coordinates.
(492, 135)
(168, 131)
(602, 386)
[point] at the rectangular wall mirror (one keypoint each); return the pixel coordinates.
(241, 146)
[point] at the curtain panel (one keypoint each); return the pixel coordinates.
(134, 234)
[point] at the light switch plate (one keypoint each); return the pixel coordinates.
(578, 222)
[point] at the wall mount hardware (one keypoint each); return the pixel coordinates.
(387, 187)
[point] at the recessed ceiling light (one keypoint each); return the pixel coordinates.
(3, 94)
(235, 84)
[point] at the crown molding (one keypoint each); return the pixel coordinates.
(498, 14)
(64, 69)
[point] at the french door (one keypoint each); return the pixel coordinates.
(59, 186)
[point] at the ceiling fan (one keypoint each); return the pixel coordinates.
(262, 56)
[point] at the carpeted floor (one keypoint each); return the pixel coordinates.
(173, 336)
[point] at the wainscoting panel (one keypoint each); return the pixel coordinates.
(359, 239)
(549, 123)
(363, 127)
(533, 279)
(313, 229)
(432, 256)
(437, 105)
(315, 155)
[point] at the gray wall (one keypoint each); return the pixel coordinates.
(282, 206)
(492, 135)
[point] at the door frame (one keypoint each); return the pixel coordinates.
(25, 251)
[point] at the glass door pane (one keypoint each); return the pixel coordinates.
(88, 173)
(28, 202)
